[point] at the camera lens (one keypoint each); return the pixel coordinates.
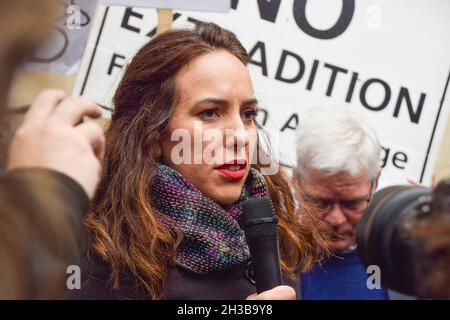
(382, 237)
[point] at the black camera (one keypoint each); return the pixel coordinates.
(405, 231)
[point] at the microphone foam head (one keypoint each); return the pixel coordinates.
(258, 218)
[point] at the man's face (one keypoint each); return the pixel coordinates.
(341, 200)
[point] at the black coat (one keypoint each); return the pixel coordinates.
(235, 283)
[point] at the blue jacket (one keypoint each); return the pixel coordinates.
(339, 278)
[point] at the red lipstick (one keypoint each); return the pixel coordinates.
(234, 170)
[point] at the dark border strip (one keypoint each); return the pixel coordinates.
(105, 108)
(94, 52)
(283, 164)
(434, 128)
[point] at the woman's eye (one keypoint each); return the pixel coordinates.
(249, 115)
(209, 114)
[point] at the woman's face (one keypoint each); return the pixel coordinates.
(213, 126)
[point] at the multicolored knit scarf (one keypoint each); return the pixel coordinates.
(212, 239)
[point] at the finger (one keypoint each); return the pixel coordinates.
(278, 293)
(284, 293)
(99, 151)
(73, 109)
(414, 182)
(252, 297)
(93, 132)
(44, 104)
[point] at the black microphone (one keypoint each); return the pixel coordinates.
(260, 227)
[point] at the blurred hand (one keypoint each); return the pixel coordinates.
(52, 137)
(277, 293)
(418, 184)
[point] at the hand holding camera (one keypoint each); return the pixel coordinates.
(53, 136)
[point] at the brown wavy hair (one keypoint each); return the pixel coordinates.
(123, 226)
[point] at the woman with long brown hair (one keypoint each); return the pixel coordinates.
(163, 225)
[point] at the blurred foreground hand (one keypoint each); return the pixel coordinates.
(53, 136)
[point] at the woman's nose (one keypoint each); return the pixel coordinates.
(236, 134)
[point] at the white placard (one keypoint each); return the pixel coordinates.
(64, 49)
(387, 60)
